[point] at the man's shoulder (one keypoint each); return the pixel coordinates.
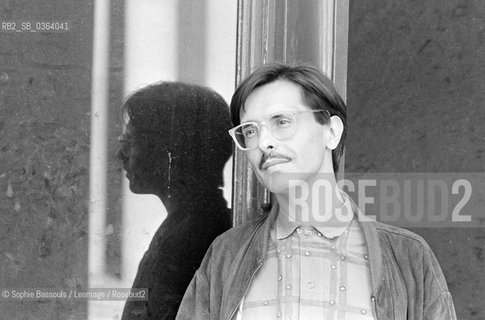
(403, 238)
(397, 232)
(239, 234)
(411, 252)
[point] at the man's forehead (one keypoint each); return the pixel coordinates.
(271, 110)
(274, 97)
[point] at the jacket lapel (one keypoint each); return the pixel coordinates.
(248, 259)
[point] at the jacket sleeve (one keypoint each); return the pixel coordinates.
(441, 309)
(439, 305)
(195, 303)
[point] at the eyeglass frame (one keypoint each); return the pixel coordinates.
(232, 131)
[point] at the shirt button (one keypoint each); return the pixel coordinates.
(319, 234)
(372, 298)
(278, 314)
(333, 266)
(366, 256)
(288, 255)
(308, 232)
(333, 247)
(363, 311)
(311, 285)
(278, 251)
(307, 253)
(342, 288)
(288, 287)
(299, 230)
(266, 303)
(280, 277)
(332, 303)
(343, 258)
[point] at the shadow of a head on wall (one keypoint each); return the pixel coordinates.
(175, 146)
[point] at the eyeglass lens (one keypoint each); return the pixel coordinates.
(281, 126)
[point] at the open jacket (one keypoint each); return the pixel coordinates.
(407, 282)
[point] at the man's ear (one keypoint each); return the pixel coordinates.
(336, 129)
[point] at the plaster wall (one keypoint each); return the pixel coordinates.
(416, 99)
(45, 106)
(45, 83)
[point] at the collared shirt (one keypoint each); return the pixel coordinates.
(312, 273)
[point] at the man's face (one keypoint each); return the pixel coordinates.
(300, 157)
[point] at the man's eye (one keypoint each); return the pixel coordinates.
(283, 122)
(250, 132)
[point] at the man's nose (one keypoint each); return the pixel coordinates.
(266, 140)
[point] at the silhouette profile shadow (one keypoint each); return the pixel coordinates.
(175, 146)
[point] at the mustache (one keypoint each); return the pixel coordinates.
(272, 155)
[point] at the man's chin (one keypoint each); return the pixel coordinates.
(282, 182)
(278, 183)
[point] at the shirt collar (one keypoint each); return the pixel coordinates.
(334, 228)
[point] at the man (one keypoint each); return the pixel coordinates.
(314, 256)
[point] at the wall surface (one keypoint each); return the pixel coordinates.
(416, 98)
(45, 105)
(45, 83)
(45, 113)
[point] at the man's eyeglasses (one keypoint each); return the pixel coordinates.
(281, 126)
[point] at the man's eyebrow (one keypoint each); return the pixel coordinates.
(276, 113)
(249, 121)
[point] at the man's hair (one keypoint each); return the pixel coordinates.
(319, 93)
